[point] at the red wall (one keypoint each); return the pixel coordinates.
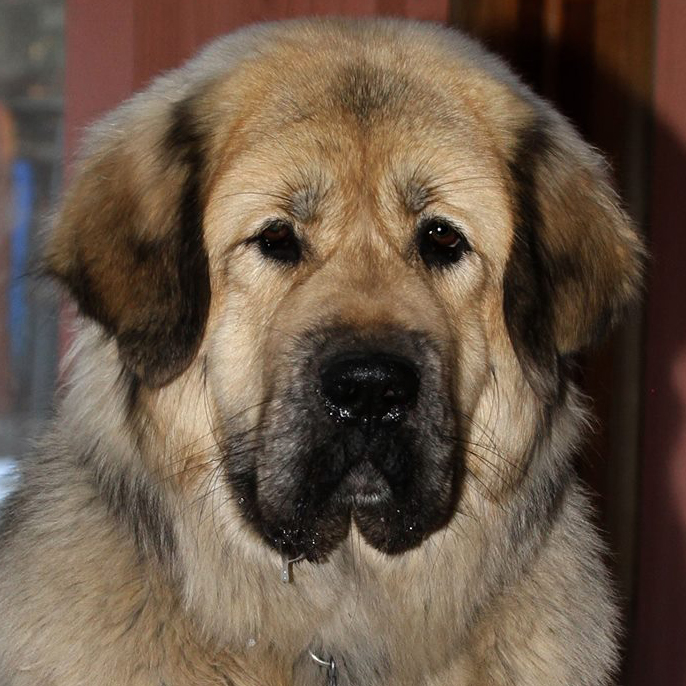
(115, 46)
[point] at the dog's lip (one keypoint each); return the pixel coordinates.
(366, 486)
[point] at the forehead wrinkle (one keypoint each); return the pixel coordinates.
(416, 195)
(415, 190)
(303, 199)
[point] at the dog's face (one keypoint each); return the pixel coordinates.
(359, 234)
(332, 281)
(351, 264)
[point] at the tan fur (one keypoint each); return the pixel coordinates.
(354, 129)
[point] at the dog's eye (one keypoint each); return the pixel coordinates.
(441, 243)
(278, 241)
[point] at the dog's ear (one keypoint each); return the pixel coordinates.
(128, 241)
(576, 261)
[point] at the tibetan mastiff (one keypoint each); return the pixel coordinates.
(319, 423)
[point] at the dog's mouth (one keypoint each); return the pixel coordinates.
(393, 508)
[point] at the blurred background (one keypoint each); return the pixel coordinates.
(31, 162)
(615, 67)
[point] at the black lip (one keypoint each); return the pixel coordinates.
(392, 514)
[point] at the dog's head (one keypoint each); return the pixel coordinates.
(368, 237)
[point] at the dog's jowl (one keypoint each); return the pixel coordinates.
(319, 427)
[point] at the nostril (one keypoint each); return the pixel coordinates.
(343, 393)
(360, 388)
(395, 394)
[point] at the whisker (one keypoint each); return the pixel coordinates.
(492, 496)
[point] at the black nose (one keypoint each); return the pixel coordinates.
(363, 388)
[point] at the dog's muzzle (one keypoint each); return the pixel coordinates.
(362, 430)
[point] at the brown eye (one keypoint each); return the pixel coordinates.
(440, 242)
(278, 242)
(445, 236)
(278, 231)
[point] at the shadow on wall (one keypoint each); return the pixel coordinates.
(658, 655)
(636, 459)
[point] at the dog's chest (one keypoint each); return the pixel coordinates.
(376, 630)
(338, 653)
(367, 650)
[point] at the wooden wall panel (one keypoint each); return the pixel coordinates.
(100, 55)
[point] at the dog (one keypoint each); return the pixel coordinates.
(320, 422)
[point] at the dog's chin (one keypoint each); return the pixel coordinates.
(385, 520)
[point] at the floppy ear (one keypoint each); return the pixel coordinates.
(128, 242)
(575, 262)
